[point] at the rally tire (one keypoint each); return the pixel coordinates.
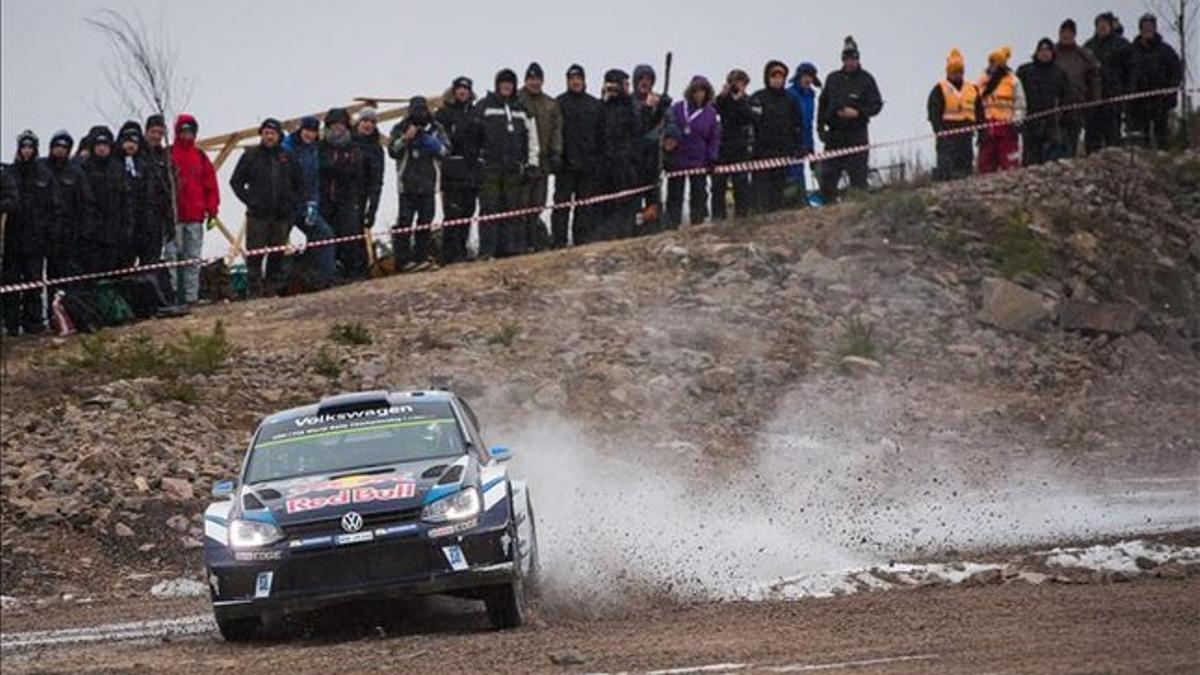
(506, 604)
(533, 579)
(239, 630)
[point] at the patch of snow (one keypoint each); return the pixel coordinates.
(181, 587)
(1122, 556)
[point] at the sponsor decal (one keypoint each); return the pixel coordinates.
(454, 556)
(447, 530)
(313, 420)
(346, 496)
(262, 586)
(311, 541)
(257, 556)
(396, 530)
(355, 538)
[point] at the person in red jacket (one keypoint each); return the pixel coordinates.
(196, 200)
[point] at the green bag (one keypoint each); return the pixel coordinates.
(114, 308)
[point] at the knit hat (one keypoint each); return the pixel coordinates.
(273, 124)
(418, 108)
(463, 81)
(27, 137)
(368, 113)
(337, 115)
(1148, 18)
(156, 121)
(1069, 24)
(955, 63)
(809, 69)
(100, 135)
(1048, 44)
(849, 48)
(1000, 57)
(506, 75)
(310, 122)
(737, 75)
(62, 137)
(615, 76)
(535, 71)
(130, 131)
(575, 70)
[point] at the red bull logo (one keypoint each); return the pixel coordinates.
(357, 495)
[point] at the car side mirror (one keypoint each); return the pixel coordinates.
(500, 453)
(223, 489)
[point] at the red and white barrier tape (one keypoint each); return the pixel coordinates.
(736, 167)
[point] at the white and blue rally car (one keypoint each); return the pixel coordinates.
(369, 495)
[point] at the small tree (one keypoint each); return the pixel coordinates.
(142, 72)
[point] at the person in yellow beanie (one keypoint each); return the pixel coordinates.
(954, 104)
(1003, 100)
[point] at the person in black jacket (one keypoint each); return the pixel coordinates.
(62, 204)
(581, 146)
(1153, 65)
(848, 102)
(620, 133)
(134, 167)
(737, 131)
(1113, 52)
(108, 234)
(509, 152)
(160, 193)
(1046, 88)
(24, 245)
(417, 143)
(343, 178)
(267, 180)
(775, 135)
(653, 110)
(461, 171)
(366, 135)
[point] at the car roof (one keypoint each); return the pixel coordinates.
(362, 399)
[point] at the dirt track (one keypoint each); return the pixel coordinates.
(1144, 626)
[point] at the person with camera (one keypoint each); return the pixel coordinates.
(737, 131)
(460, 168)
(302, 144)
(509, 151)
(654, 111)
(576, 178)
(418, 144)
(620, 134)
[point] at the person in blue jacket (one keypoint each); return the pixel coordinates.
(803, 91)
(302, 143)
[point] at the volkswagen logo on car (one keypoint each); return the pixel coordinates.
(352, 522)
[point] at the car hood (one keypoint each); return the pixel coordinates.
(380, 489)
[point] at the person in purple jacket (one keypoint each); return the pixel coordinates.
(696, 146)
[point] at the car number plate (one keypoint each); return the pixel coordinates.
(355, 538)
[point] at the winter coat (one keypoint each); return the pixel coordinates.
(855, 90)
(308, 157)
(61, 204)
(197, 195)
(699, 136)
(461, 168)
(968, 105)
(548, 115)
(109, 229)
(1113, 53)
(806, 102)
(343, 169)
(158, 193)
(1046, 87)
(373, 153)
(509, 134)
(580, 130)
(1153, 64)
(1083, 72)
(417, 158)
(136, 202)
(621, 135)
(737, 128)
(21, 235)
(776, 117)
(269, 182)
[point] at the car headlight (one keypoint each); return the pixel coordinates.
(458, 506)
(252, 534)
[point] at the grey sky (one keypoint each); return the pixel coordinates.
(250, 60)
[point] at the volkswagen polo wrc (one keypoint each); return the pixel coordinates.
(365, 496)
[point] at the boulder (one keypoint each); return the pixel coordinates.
(816, 266)
(1099, 317)
(177, 488)
(1012, 307)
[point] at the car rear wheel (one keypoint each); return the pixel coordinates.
(239, 630)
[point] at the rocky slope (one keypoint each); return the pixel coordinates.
(1051, 314)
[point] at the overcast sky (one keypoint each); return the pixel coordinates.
(250, 60)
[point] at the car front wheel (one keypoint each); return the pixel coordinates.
(239, 630)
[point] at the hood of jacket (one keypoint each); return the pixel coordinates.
(771, 65)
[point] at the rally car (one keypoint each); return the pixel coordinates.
(364, 496)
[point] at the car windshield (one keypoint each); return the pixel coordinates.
(359, 439)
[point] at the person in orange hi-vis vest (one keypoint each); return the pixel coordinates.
(954, 104)
(1003, 105)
